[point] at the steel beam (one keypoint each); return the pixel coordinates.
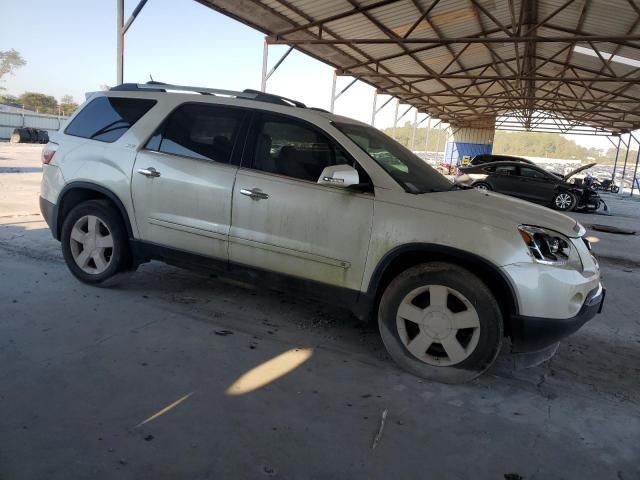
(448, 41)
(133, 16)
(523, 78)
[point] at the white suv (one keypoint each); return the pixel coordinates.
(252, 185)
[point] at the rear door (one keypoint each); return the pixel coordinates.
(283, 221)
(183, 179)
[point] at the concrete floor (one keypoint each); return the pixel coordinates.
(82, 368)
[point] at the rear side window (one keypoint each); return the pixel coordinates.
(204, 132)
(506, 170)
(108, 118)
(531, 173)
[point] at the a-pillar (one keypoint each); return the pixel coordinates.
(466, 142)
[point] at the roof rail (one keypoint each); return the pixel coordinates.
(271, 98)
(246, 94)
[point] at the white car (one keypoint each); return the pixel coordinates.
(256, 186)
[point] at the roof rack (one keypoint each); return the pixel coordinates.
(246, 94)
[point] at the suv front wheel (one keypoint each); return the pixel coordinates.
(440, 321)
(94, 242)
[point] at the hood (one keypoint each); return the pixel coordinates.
(501, 211)
(578, 170)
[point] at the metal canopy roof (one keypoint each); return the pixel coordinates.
(549, 65)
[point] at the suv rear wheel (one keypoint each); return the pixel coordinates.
(440, 322)
(94, 242)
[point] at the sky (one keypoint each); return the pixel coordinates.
(70, 48)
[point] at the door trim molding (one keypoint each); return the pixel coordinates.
(291, 252)
(187, 228)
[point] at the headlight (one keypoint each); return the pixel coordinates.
(549, 247)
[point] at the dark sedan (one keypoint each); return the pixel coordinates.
(532, 183)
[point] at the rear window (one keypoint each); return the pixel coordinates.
(107, 118)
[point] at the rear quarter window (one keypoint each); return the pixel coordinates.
(108, 118)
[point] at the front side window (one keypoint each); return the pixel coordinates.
(204, 132)
(293, 149)
(108, 118)
(410, 171)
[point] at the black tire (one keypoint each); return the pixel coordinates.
(490, 337)
(558, 202)
(120, 257)
(615, 189)
(482, 186)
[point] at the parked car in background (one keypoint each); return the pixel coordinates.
(490, 157)
(264, 189)
(532, 183)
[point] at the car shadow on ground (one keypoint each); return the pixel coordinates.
(603, 358)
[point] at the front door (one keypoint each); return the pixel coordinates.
(504, 179)
(183, 180)
(283, 221)
(537, 186)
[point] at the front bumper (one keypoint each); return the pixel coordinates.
(531, 334)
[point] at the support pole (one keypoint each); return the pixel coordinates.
(334, 97)
(413, 130)
(265, 58)
(333, 91)
(615, 163)
(624, 168)
(121, 29)
(395, 118)
(373, 111)
(120, 41)
(635, 172)
(381, 107)
(426, 137)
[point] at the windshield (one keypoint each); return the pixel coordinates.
(409, 170)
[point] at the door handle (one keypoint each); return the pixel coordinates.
(149, 172)
(254, 194)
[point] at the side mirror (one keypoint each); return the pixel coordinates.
(339, 176)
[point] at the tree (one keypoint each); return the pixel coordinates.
(67, 105)
(9, 99)
(9, 61)
(39, 102)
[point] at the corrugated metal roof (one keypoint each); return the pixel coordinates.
(467, 61)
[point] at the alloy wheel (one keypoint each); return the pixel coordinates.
(91, 244)
(438, 325)
(563, 201)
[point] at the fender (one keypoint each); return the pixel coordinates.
(435, 251)
(57, 223)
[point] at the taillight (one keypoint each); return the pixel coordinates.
(48, 152)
